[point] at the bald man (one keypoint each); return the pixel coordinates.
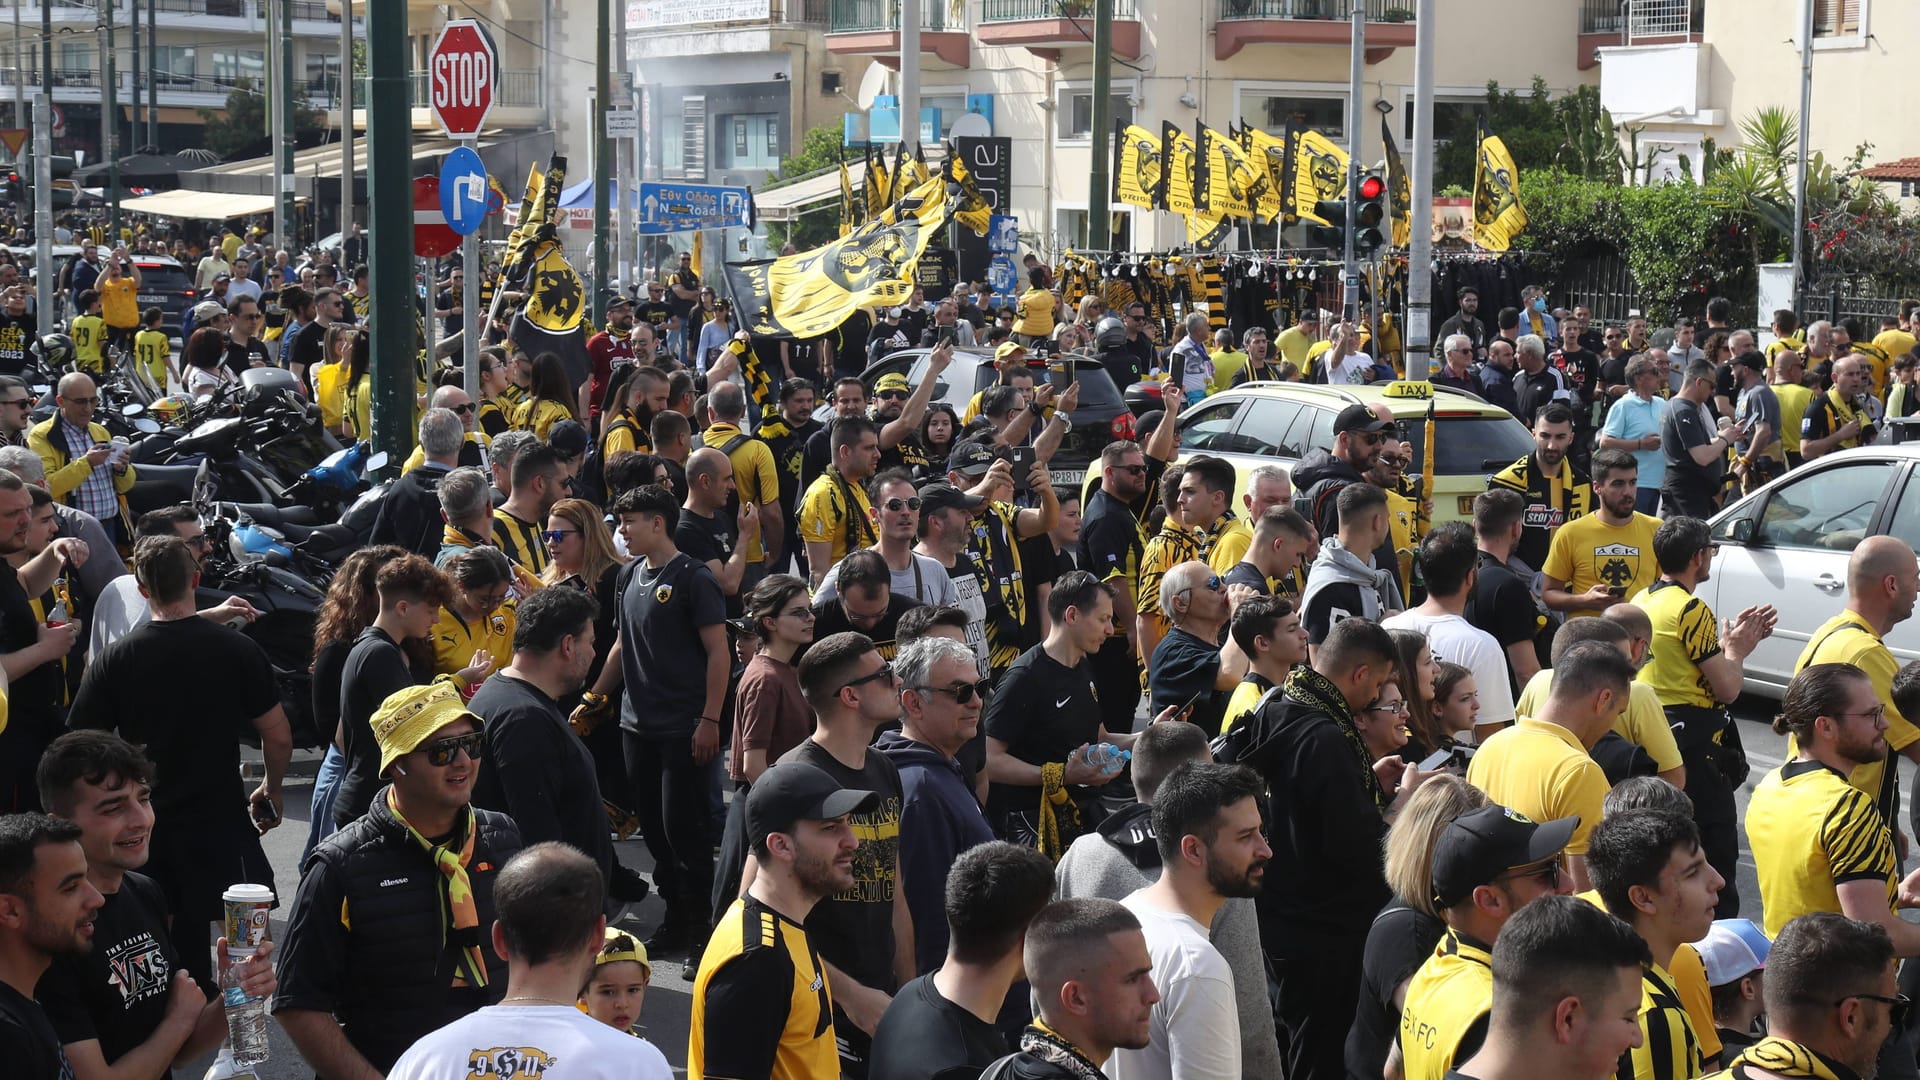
(707, 531)
(1882, 579)
(473, 451)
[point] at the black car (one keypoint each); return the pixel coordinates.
(165, 284)
(1099, 416)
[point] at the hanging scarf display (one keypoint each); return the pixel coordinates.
(452, 864)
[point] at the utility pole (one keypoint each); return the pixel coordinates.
(133, 16)
(1350, 294)
(282, 221)
(110, 125)
(910, 74)
(19, 73)
(623, 93)
(282, 103)
(1800, 165)
(345, 100)
(1100, 187)
(1418, 333)
(390, 229)
(43, 198)
(602, 151)
(153, 64)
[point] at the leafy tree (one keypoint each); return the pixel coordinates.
(245, 129)
(1529, 125)
(820, 150)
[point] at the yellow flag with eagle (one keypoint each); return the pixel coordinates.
(878, 183)
(1319, 168)
(1179, 187)
(849, 211)
(970, 207)
(1136, 166)
(1233, 186)
(1497, 214)
(1399, 192)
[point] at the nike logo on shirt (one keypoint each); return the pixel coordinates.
(1062, 703)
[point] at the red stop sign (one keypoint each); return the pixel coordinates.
(462, 72)
(432, 237)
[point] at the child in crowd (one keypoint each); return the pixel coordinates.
(619, 984)
(1734, 953)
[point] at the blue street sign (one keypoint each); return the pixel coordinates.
(672, 208)
(1003, 234)
(1004, 278)
(463, 190)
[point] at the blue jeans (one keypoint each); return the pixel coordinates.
(1647, 500)
(326, 783)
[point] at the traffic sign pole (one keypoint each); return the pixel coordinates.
(461, 74)
(472, 324)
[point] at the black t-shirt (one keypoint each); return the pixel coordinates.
(1040, 566)
(850, 346)
(309, 346)
(1043, 710)
(17, 332)
(1245, 573)
(655, 313)
(28, 1043)
(1399, 941)
(923, 1036)
(191, 737)
(887, 338)
(829, 617)
(1682, 428)
(709, 539)
(915, 321)
(688, 280)
(1183, 668)
(1582, 371)
(447, 301)
(1503, 605)
(34, 699)
(1533, 392)
(1724, 384)
(116, 993)
(1613, 370)
(242, 355)
(375, 668)
(665, 664)
(1329, 605)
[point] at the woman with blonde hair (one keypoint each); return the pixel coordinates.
(330, 377)
(1406, 930)
(584, 559)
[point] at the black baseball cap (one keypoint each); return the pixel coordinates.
(1359, 418)
(940, 495)
(1480, 846)
(616, 298)
(972, 458)
(794, 791)
(568, 439)
(1753, 359)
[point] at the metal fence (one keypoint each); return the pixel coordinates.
(1856, 296)
(1642, 18)
(1390, 11)
(1014, 10)
(1602, 282)
(857, 16)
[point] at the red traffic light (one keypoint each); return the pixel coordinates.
(1372, 187)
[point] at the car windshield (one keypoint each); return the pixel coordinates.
(1468, 445)
(159, 279)
(1097, 389)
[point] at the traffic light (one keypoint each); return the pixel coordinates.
(1366, 219)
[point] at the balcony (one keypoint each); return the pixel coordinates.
(1311, 22)
(309, 16)
(1049, 27)
(871, 28)
(723, 27)
(1606, 23)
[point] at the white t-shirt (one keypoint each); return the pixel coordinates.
(932, 586)
(1195, 1030)
(553, 1042)
(119, 611)
(1457, 641)
(1356, 369)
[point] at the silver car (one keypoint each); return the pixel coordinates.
(1788, 545)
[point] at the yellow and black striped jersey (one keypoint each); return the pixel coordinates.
(1810, 831)
(1668, 1048)
(761, 1007)
(521, 540)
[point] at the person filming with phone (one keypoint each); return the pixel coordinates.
(1696, 454)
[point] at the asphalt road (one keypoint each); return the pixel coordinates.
(669, 1004)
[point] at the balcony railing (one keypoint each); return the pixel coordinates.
(1019, 10)
(511, 90)
(866, 16)
(253, 10)
(1379, 11)
(1642, 18)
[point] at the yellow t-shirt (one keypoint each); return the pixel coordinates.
(1246, 698)
(119, 302)
(1587, 551)
(1227, 364)
(1444, 1019)
(89, 333)
(539, 415)
(1847, 639)
(1690, 978)
(1035, 313)
(778, 1018)
(1644, 723)
(455, 642)
(825, 517)
(1794, 399)
(1230, 548)
(330, 392)
(1685, 633)
(754, 476)
(1810, 831)
(151, 350)
(1541, 770)
(1895, 343)
(1294, 345)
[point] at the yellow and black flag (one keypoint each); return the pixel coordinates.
(1269, 153)
(556, 298)
(1137, 166)
(849, 210)
(810, 293)
(1399, 192)
(1179, 186)
(1497, 214)
(970, 208)
(878, 185)
(1206, 232)
(1319, 172)
(1232, 187)
(534, 225)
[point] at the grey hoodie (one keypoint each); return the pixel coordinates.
(1121, 858)
(1379, 591)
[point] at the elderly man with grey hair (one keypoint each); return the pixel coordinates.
(1633, 425)
(473, 451)
(466, 508)
(505, 448)
(1456, 365)
(1190, 669)
(105, 563)
(940, 700)
(1190, 358)
(1535, 384)
(409, 515)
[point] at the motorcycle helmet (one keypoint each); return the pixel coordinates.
(1109, 333)
(169, 409)
(56, 351)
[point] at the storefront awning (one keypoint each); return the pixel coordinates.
(200, 205)
(787, 202)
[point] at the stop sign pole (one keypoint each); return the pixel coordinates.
(462, 79)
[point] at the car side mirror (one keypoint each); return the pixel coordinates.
(1742, 531)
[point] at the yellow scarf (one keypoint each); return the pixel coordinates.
(1055, 802)
(1843, 414)
(472, 969)
(1782, 1058)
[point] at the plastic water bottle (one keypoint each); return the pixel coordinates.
(246, 1017)
(1108, 758)
(225, 1068)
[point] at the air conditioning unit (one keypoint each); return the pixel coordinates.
(829, 82)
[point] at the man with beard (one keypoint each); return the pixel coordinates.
(1093, 984)
(29, 646)
(1830, 999)
(1496, 375)
(1598, 560)
(1556, 491)
(47, 909)
(899, 409)
(1465, 321)
(1358, 436)
(760, 1006)
(630, 427)
(605, 349)
(1206, 823)
(787, 438)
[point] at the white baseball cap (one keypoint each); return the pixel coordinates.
(1732, 950)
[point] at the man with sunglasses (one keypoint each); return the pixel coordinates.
(118, 607)
(245, 350)
(897, 510)
(1830, 1000)
(388, 936)
(81, 466)
(308, 350)
(16, 410)
(1358, 436)
(211, 824)
(1190, 671)
(1487, 865)
(1650, 870)
(941, 698)
(1466, 322)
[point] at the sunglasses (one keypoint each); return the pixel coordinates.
(885, 672)
(440, 754)
(1136, 470)
(1897, 1006)
(554, 536)
(891, 395)
(464, 410)
(962, 692)
(18, 401)
(896, 504)
(1547, 873)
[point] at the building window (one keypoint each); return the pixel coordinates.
(1274, 111)
(173, 65)
(323, 73)
(673, 156)
(750, 141)
(1448, 118)
(1836, 18)
(1075, 113)
(952, 107)
(76, 59)
(1906, 189)
(230, 65)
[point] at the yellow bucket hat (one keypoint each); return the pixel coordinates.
(409, 717)
(621, 945)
